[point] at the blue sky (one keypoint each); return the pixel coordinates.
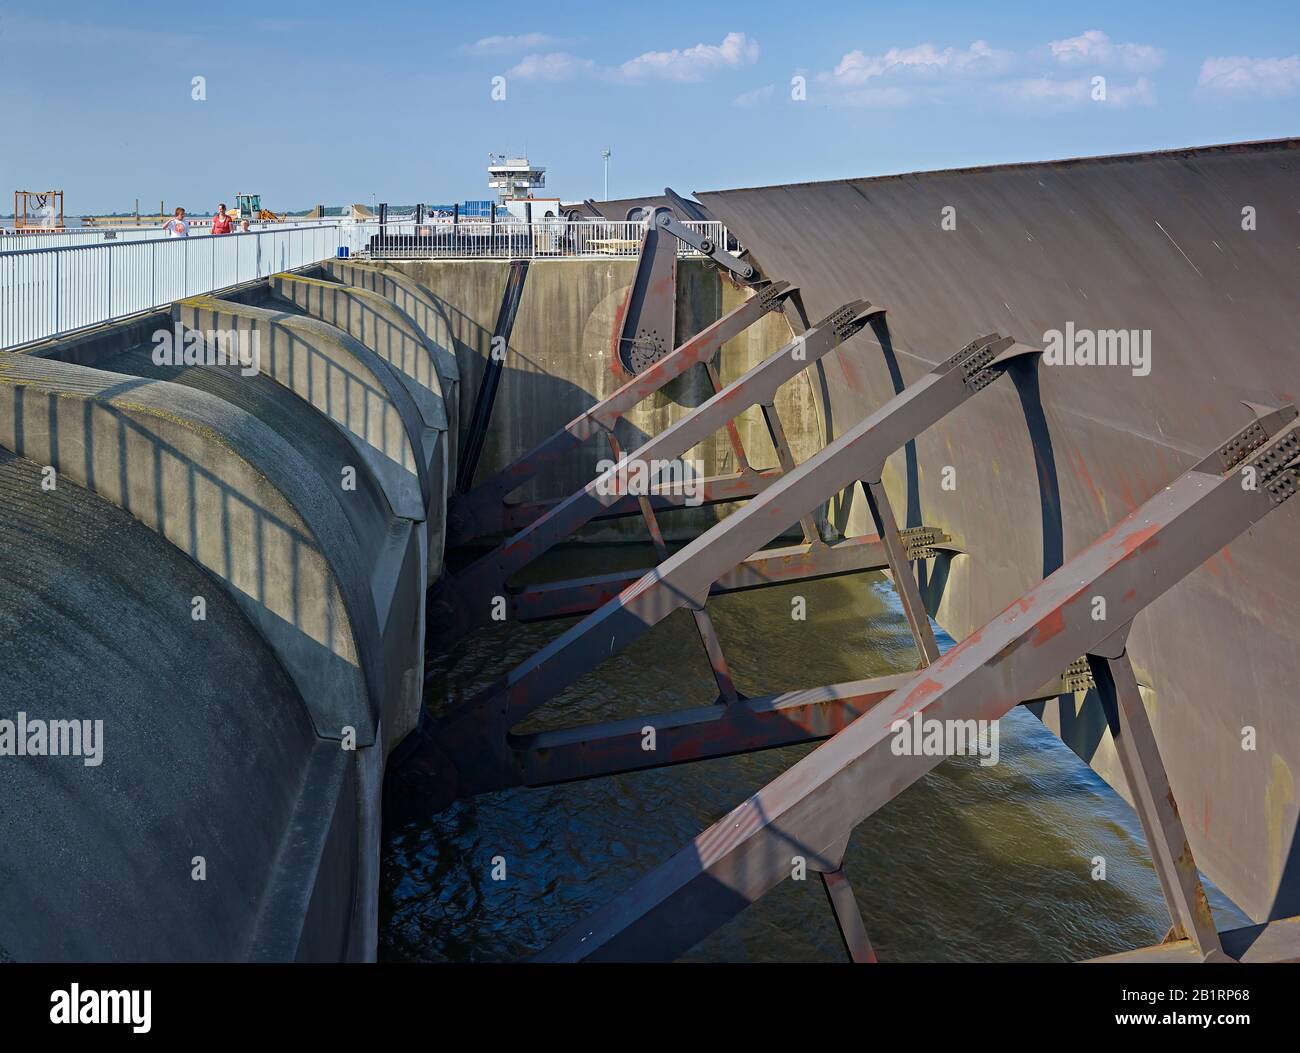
(336, 102)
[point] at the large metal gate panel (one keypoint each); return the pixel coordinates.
(1152, 242)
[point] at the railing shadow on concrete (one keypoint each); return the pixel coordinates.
(342, 379)
(234, 497)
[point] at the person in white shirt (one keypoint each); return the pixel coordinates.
(176, 227)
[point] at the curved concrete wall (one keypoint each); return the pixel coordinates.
(236, 474)
(1148, 242)
(100, 860)
(342, 380)
(360, 316)
(327, 584)
(380, 326)
(230, 494)
(393, 549)
(419, 306)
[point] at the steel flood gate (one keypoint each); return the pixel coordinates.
(1028, 653)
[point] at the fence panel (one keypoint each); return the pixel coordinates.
(47, 292)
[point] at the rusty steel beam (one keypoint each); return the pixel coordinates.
(848, 918)
(472, 751)
(909, 593)
(484, 510)
(471, 593)
(710, 490)
(819, 800)
(1153, 798)
(476, 435)
(774, 566)
(684, 736)
(703, 623)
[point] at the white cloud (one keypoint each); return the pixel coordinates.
(924, 60)
(755, 97)
(1094, 48)
(691, 64)
(505, 45)
(554, 66)
(1241, 77)
(1048, 91)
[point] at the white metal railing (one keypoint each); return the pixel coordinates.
(47, 292)
(481, 239)
(11, 241)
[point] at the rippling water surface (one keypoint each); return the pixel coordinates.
(971, 863)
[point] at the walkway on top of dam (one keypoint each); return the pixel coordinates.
(57, 284)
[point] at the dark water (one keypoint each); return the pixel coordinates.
(972, 863)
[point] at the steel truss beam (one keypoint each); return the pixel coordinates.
(469, 749)
(484, 510)
(773, 566)
(472, 593)
(1153, 798)
(664, 497)
(685, 736)
(815, 805)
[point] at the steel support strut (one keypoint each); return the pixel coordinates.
(771, 566)
(817, 802)
(487, 392)
(1153, 798)
(848, 919)
(484, 509)
(909, 593)
(476, 734)
(710, 490)
(473, 590)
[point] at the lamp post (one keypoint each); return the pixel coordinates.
(605, 154)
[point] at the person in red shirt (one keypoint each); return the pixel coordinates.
(221, 221)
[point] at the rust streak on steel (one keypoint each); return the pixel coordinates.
(474, 734)
(819, 800)
(1096, 259)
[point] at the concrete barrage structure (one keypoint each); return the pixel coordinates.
(895, 374)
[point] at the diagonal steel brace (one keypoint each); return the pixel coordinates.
(471, 593)
(1153, 798)
(483, 510)
(664, 497)
(475, 734)
(773, 566)
(819, 800)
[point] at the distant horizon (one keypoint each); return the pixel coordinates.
(141, 102)
(445, 200)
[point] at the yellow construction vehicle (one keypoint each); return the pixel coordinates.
(249, 206)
